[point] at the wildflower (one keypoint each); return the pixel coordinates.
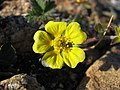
(78, 1)
(59, 44)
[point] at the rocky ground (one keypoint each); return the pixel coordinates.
(100, 70)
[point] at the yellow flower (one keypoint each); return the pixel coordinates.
(78, 1)
(59, 44)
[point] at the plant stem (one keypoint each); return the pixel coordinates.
(105, 31)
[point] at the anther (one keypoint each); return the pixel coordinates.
(67, 45)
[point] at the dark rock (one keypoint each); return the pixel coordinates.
(18, 31)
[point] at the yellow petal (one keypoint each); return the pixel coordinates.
(42, 42)
(73, 57)
(55, 28)
(52, 60)
(41, 35)
(75, 33)
(78, 1)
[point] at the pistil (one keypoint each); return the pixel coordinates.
(61, 44)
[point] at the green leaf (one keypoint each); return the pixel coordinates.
(41, 11)
(42, 4)
(117, 40)
(99, 29)
(36, 8)
(49, 5)
(117, 29)
(7, 55)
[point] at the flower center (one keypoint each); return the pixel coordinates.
(61, 43)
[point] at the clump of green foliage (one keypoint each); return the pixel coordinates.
(41, 10)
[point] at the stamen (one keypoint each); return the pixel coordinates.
(67, 45)
(61, 47)
(62, 43)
